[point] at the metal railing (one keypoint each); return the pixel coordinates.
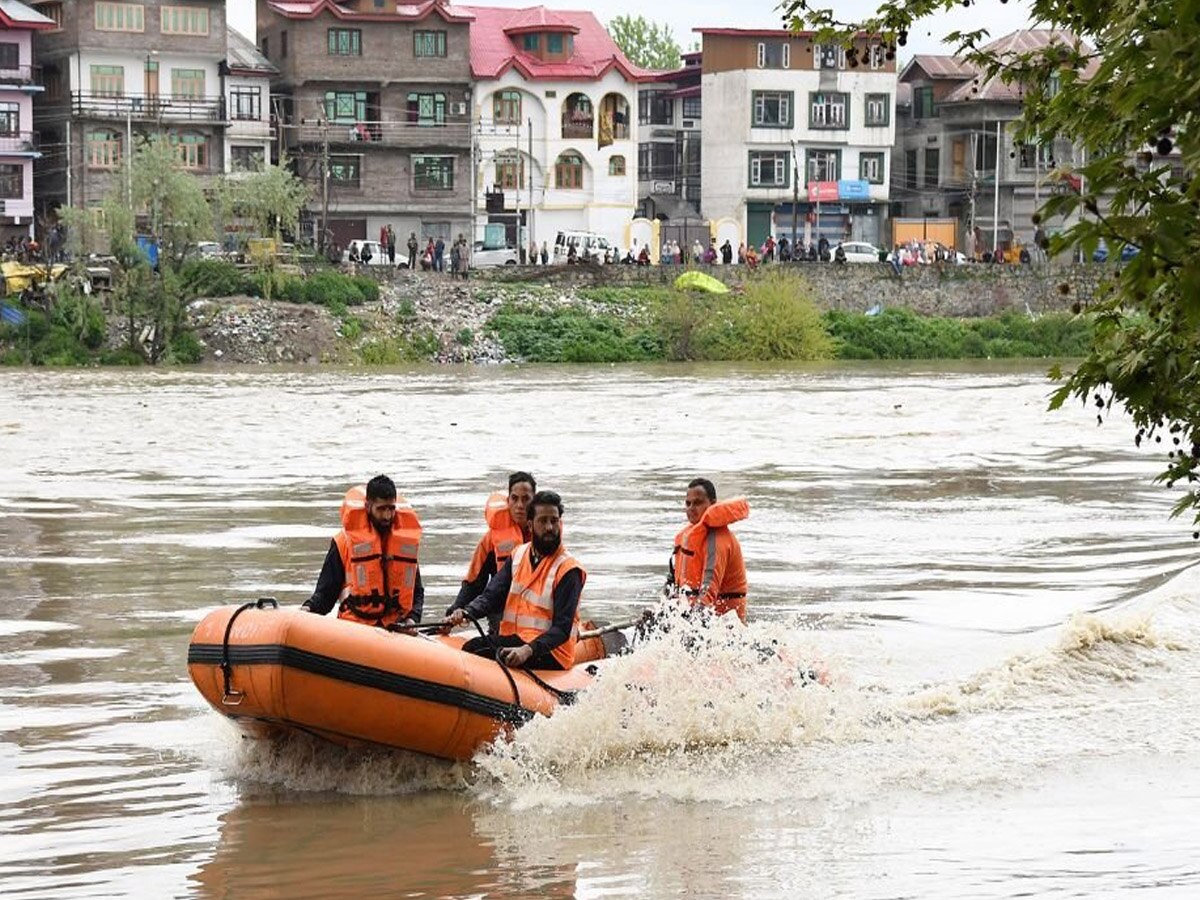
(20, 75)
(19, 142)
(391, 134)
(159, 107)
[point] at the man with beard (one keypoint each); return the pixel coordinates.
(508, 527)
(371, 569)
(538, 590)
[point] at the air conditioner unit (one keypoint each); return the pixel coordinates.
(458, 109)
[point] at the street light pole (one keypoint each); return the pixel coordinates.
(795, 196)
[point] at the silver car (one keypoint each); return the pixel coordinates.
(497, 256)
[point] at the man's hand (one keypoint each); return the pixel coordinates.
(515, 657)
(453, 620)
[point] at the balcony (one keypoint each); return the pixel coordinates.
(21, 76)
(19, 143)
(158, 108)
(385, 134)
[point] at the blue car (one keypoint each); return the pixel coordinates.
(1128, 252)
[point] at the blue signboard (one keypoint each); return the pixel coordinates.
(854, 190)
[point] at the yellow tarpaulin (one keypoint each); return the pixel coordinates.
(698, 281)
(18, 276)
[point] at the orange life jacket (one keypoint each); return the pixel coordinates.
(379, 581)
(529, 609)
(695, 556)
(506, 535)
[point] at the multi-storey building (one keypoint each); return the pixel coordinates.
(116, 72)
(669, 116)
(20, 79)
(956, 155)
(795, 132)
(247, 91)
(373, 100)
(554, 103)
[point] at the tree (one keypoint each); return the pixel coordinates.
(1127, 96)
(271, 198)
(646, 43)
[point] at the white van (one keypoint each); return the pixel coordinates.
(586, 244)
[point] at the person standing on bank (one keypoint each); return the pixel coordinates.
(371, 570)
(706, 564)
(508, 527)
(412, 249)
(538, 590)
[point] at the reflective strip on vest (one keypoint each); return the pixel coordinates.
(362, 549)
(710, 559)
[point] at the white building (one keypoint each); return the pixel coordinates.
(248, 101)
(777, 106)
(556, 136)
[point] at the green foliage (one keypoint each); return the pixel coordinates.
(774, 319)
(1131, 111)
(58, 348)
(121, 357)
(272, 284)
(271, 198)
(419, 347)
(80, 316)
(332, 289)
(680, 319)
(571, 335)
(367, 286)
(464, 337)
(406, 312)
(645, 43)
(185, 349)
(352, 328)
(211, 278)
(902, 334)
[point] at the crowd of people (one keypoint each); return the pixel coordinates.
(521, 579)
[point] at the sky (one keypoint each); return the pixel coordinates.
(684, 15)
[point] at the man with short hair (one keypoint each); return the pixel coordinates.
(538, 590)
(706, 564)
(371, 569)
(508, 527)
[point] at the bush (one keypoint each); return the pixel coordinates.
(352, 328)
(406, 312)
(59, 348)
(82, 317)
(269, 283)
(367, 286)
(464, 337)
(331, 289)
(774, 319)
(211, 278)
(384, 352)
(571, 335)
(186, 349)
(122, 357)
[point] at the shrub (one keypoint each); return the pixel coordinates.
(185, 349)
(352, 328)
(406, 312)
(82, 317)
(774, 319)
(211, 278)
(368, 287)
(331, 288)
(464, 337)
(58, 348)
(418, 347)
(276, 286)
(122, 357)
(570, 335)
(678, 318)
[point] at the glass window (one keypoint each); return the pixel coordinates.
(616, 165)
(10, 55)
(192, 149)
(772, 109)
(870, 167)
(877, 56)
(120, 17)
(830, 56)
(10, 118)
(828, 110)
(532, 43)
(932, 165)
(188, 83)
(878, 109)
(568, 171)
(655, 108)
(774, 55)
(554, 44)
(184, 20)
(656, 161)
(510, 170)
(506, 107)
(108, 81)
(691, 107)
(429, 43)
(245, 103)
(1035, 156)
(923, 106)
(823, 165)
(346, 106)
(427, 109)
(54, 12)
(433, 173)
(247, 159)
(769, 168)
(345, 42)
(345, 170)
(12, 182)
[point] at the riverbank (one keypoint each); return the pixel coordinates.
(609, 314)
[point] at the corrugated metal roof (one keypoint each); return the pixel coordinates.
(242, 56)
(310, 9)
(939, 67)
(16, 13)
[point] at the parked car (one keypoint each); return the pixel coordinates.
(859, 252)
(587, 244)
(379, 256)
(495, 256)
(1128, 252)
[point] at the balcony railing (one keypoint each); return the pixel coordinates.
(19, 142)
(21, 75)
(149, 108)
(577, 128)
(388, 134)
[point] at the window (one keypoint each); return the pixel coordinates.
(345, 41)
(910, 168)
(192, 150)
(108, 81)
(554, 44)
(876, 56)
(10, 118)
(506, 107)
(823, 165)
(691, 107)
(52, 80)
(769, 169)
(616, 165)
(772, 109)
(346, 106)
(932, 164)
(1035, 156)
(427, 109)
(10, 55)
(54, 12)
(510, 170)
(877, 111)
(433, 173)
(656, 162)
(184, 20)
(532, 43)
(655, 108)
(828, 110)
(187, 83)
(247, 159)
(266, 48)
(245, 103)
(870, 167)
(568, 171)
(346, 171)
(830, 56)
(774, 55)
(283, 43)
(103, 149)
(923, 107)
(120, 17)
(985, 152)
(429, 43)
(12, 182)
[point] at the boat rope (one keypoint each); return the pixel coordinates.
(515, 717)
(232, 697)
(566, 698)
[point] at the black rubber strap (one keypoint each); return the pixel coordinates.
(226, 667)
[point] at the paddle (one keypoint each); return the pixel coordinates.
(609, 629)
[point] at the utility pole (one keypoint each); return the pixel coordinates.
(324, 184)
(129, 156)
(517, 180)
(529, 225)
(996, 198)
(795, 197)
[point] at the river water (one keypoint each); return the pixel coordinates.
(1005, 611)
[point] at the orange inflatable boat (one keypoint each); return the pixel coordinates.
(272, 670)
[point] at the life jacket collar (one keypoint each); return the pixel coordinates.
(725, 512)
